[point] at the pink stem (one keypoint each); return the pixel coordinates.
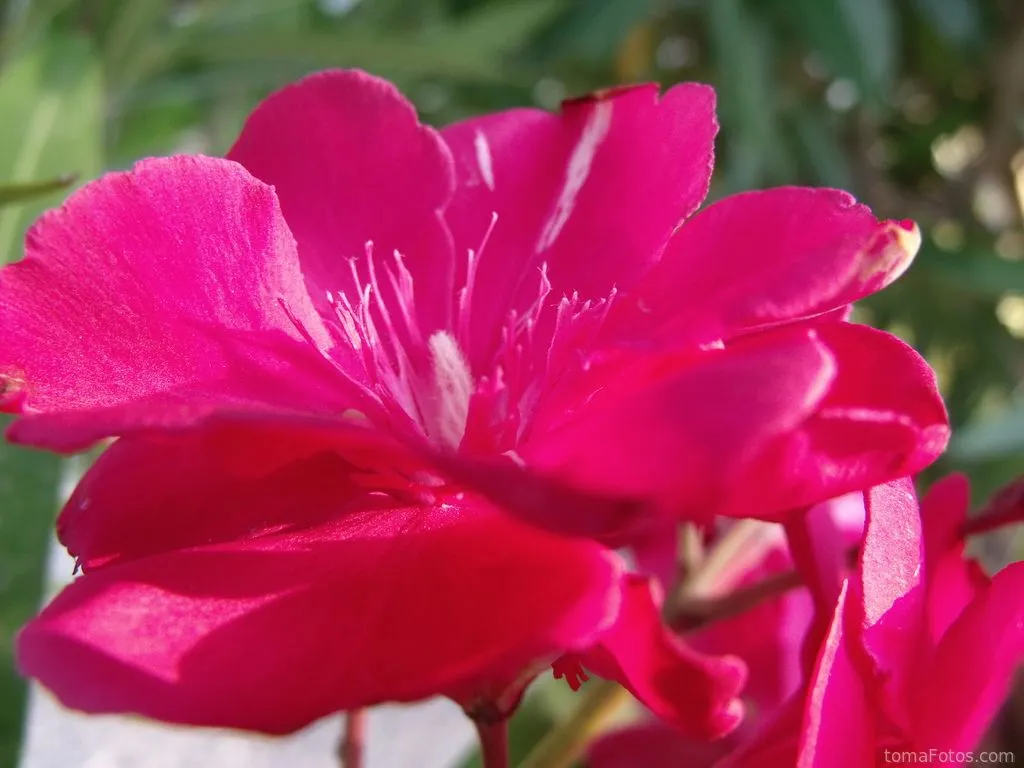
(354, 741)
(493, 742)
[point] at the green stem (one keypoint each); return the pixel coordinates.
(567, 741)
(564, 744)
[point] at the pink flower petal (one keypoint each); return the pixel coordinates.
(653, 745)
(689, 690)
(820, 541)
(943, 513)
(838, 730)
(888, 603)
(973, 668)
(685, 432)
(656, 551)
(768, 638)
(145, 496)
(556, 184)
(775, 745)
(758, 259)
(351, 164)
(882, 418)
(155, 295)
(952, 580)
(270, 634)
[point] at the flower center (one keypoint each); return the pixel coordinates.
(406, 380)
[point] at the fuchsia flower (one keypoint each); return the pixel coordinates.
(919, 655)
(343, 361)
(768, 637)
(920, 649)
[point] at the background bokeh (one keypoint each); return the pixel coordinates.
(916, 106)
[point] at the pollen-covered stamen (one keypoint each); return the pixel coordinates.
(445, 412)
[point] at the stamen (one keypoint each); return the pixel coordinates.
(570, 668)
(466, 292)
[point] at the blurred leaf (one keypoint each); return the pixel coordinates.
(958, 21)
(227, 16)
(747, 103)
(978, 271)
(991, 439)
(873, 26)
(28, 501)
(24, 22)
(470, 49)
(131, 38)
(56, 92)
(23, 192)
(856, 39)
(591, 30)
(503, 27)
(821, 149)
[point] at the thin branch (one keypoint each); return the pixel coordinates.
(353, 742)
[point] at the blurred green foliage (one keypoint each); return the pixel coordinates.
(916, 106)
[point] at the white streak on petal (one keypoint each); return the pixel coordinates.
(483, 159)
(594, 132)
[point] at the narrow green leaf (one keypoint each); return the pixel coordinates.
(52, 100)
(24, 22)
(820, 148)
(958, 21)
(873, 26)
(981, 272)
(991, 439)
(503, 27)
(747, 104)
(590, 30)
(56, 92)
(28, 501)
(272, 56)
(856, 39)
(132, 31)
(26, 191)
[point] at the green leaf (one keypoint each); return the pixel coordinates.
(992, 438)
(590, 30)
(747, 105)
(501, 28)
(820, 148)
(28, 501)
(958, 21)
(981, 272)
(131, 45)
(23, 192)
(55, 93)
(51, 100)
(24, 22)
(471, 49)
(856, 39)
